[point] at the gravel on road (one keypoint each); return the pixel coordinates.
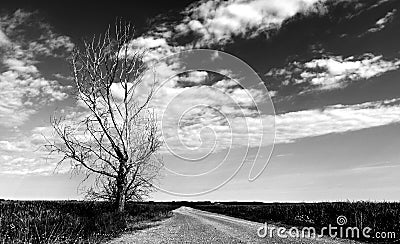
(188, 225)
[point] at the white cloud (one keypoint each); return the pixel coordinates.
(24, 154)
(334, 72)
(27, 166)
(22, 93)
(201, 127)
(218, 21)
(272, 93)
(199, 115)
(382, 23)
(41, 39)
(155, 48)
(149, 42)
(196, 77)
(336, 119)
(228, 125)
(23, 90)
(226, 84)
(52, 45)
(3, 39)
(9, 147)
(20, 66)
(212, 22)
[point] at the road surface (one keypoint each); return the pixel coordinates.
(189, 225)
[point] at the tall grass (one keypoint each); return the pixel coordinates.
(379, 216)
(70, 222)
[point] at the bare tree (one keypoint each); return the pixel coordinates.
(116, 137)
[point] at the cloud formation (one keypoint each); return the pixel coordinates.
(24, 154)
(333, 72)
(383, 22)
(202, 126)
(216, 22)
(336, 119)
(32, 35)
(23, 89)
(203, 24)
(198, 110)
(227, 114)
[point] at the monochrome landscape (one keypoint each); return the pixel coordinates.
(240, 121)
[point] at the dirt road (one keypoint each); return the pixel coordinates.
(194, 226)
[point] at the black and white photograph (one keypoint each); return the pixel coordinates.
(200, 121)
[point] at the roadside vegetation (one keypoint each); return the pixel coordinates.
(95, 222)
(379, 216)
(73, 221)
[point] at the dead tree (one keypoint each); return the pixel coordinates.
(116, 137)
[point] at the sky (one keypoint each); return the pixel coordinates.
(321, 111)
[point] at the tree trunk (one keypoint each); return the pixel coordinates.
(121, 198)
(121, 187)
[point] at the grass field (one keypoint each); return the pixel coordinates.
(93, 222)
(380, 216)
(71, 222)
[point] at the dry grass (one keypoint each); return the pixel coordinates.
(71, 222)
(380, 216)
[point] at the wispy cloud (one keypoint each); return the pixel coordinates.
(3, 39)
(383, 22)
(6, 146)
(216, 22)
(24, 154)
(198, 113)
(375, 167)
(336, 119)
(23, 89)
(333, 72)
(204, 24)
(227, 114)
(32, 35)
(289, 127)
